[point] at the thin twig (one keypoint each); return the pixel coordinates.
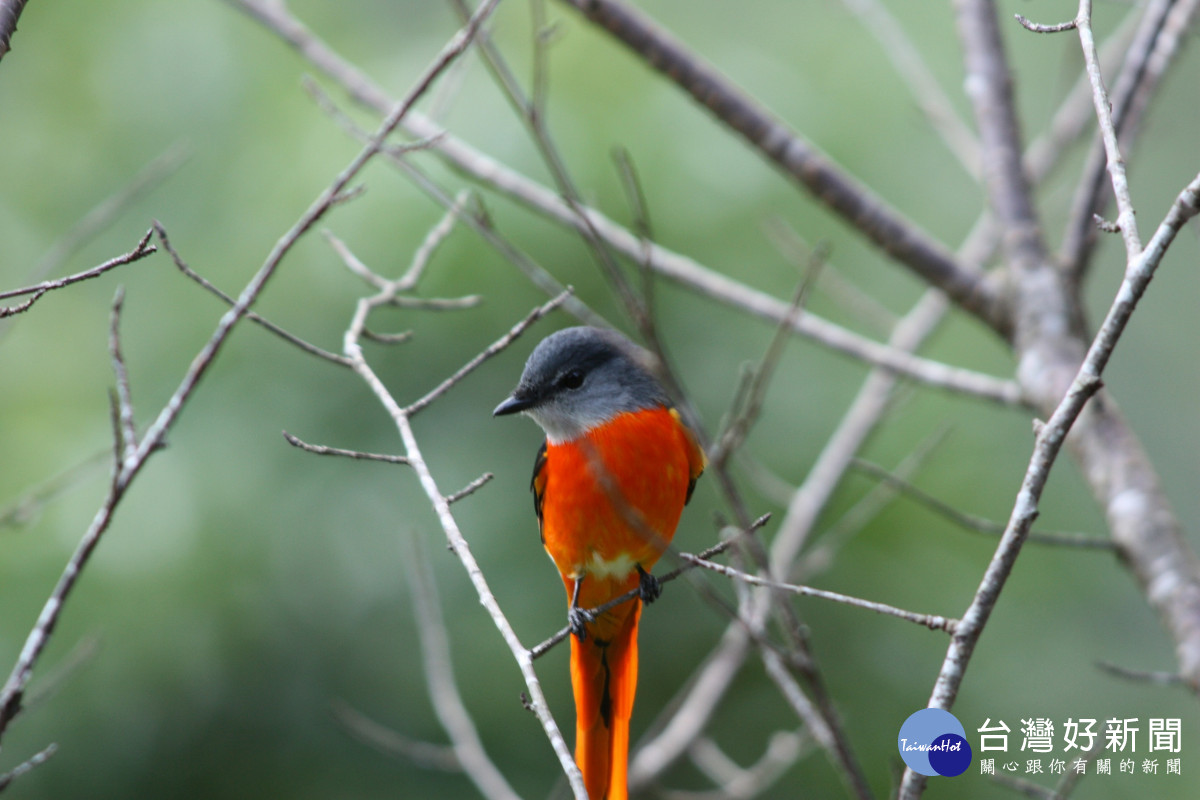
(36, 760)
(82, 653)
(20, 511)
(733, 782)
(105, 213)
(491, 350)
(532, 114)
(290, 338)
(387, 338)
(931, 621)
(322, 450)
(1154, 45)
(974, 522)
(354, 263)
(1074, 116)
(1143, 676)
(477, 222)
(121, 373)
(1037, 27)
(1108, 133)
(143, 249)
(911, 67)
(868, 311)
(820, 557)
(470, 488)
(746, 412)
(433, 240)
(387, 741)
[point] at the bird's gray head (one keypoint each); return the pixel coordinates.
(581, 377)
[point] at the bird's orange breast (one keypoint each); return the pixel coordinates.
(612, 498)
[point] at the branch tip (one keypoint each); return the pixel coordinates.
(1037, 27)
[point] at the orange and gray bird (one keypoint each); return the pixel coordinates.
(609, 486)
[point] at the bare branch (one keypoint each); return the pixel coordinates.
(1155, 44)
(10, 12)
(1048, 443)
(867, 310)
(389, 742)
(911, 67)
(1144, 676)
(354, 263)
(124, 399)
(155, 434)
(674, 266)
(784, 748)
(81, 653)
(692, 712)
(439, 678)
(441, 506)
(290, 338)
(933, 622)
(433, 240)
(974, 522)
(491, 350)
(143, 249)
(470, 488)
(11, 311)
(988, 82)
(105, 213)
(532, 113)
(387, 338)
(816, 719)
(322, 450)
(746, 411)
(1108, 133)
(819, 558)
(24, 508)
(479, 223)
(1037, 27)
(1074, 116)
(24, 767)
(882, 225)
(14, 688)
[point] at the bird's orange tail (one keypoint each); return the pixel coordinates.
(604, 677)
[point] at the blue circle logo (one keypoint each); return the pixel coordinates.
(933, 742)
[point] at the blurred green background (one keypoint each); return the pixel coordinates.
(245, 588)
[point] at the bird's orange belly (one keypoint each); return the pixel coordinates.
(614, 496)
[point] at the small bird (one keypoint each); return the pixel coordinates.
(609, 485)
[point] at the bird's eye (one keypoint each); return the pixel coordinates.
(571, 379)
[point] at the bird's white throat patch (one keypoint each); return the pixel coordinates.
(565, 427)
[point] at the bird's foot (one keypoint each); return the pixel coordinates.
(577, 618)
(649, 587)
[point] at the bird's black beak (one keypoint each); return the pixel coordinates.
(513, 405)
